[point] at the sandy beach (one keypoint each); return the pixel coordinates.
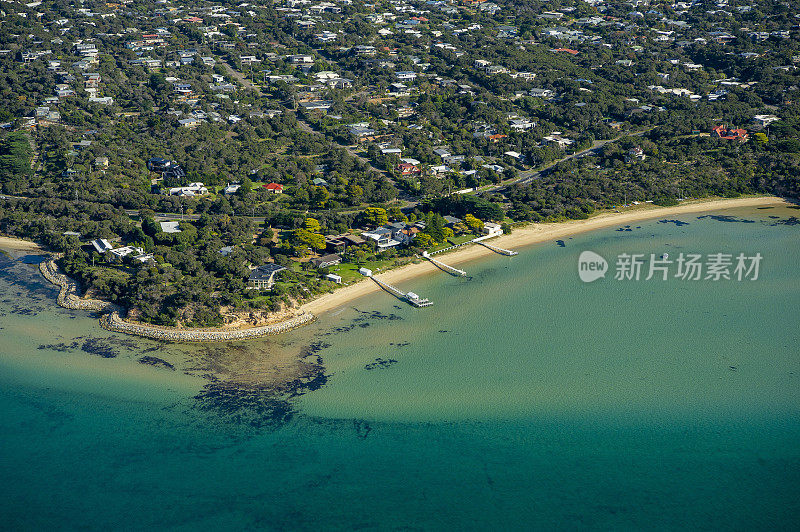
(531, 234)
(16, 247)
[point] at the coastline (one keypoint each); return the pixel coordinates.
(528, 235)
(524, 236)
(17, 246)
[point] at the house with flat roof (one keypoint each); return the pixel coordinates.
(170, 227)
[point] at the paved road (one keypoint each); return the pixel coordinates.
(238, 76)
(528, 176)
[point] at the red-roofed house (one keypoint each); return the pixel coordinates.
(407, 168)
(275, 188)
(731, 134)
(568, 50)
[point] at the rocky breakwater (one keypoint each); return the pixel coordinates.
(113, 322)
(67, 297)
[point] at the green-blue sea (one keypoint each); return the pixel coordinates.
(523, 399)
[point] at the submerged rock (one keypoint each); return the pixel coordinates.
(157, 362)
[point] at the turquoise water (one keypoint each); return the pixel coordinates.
(522, 399)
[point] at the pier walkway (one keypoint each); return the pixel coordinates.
(442, 266)
(409, 297)
(496, 249)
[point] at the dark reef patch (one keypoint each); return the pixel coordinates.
(362, 429)
(679, 223)
(32, 259)
(560, 243)
(313, 349)
(60, 347)
(362, 320)
(726, 218)
(247, 388)
(380, 363)
(624, 228)
(375, 315)
(156, 362)
(105, 347)
(100, 347)
(792, 221)
(241, 405)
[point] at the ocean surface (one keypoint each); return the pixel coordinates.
(523, 399)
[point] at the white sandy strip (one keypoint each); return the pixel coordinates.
(531, 234)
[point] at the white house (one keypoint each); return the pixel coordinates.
(765, 120)
(102, 245)
(492, 229)
(120, 253)
(170, 227)
(193, 189)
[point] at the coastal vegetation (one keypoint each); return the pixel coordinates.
(428, 127)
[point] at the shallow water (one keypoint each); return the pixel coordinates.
(523, 398)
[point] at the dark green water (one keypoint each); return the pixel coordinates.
(523, 399)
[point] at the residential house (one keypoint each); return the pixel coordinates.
(723, 132)
(170, 227)
(407, 169)
(635, 153)
(121, 253)
(193, 189)
(263, 277)
(492, 229)
(765, 120)
(382, 238)
(101, 245)
(326, 261)
(275, 188)
(521, 124)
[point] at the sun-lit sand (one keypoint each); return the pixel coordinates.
(531, 234)
(16, 244)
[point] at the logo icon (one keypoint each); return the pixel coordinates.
(591, 266)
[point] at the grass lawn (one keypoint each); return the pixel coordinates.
(349, 272)
(461, 239)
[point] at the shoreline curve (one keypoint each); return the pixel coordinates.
(530, 234)
(112, 321)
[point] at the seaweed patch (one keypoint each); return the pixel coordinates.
(726, 218)
(313, 349)
(380, 363)
(362, 429)
(679, 223)
(792, 221)
(98, 346)
(156, 362)
(252, 391)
